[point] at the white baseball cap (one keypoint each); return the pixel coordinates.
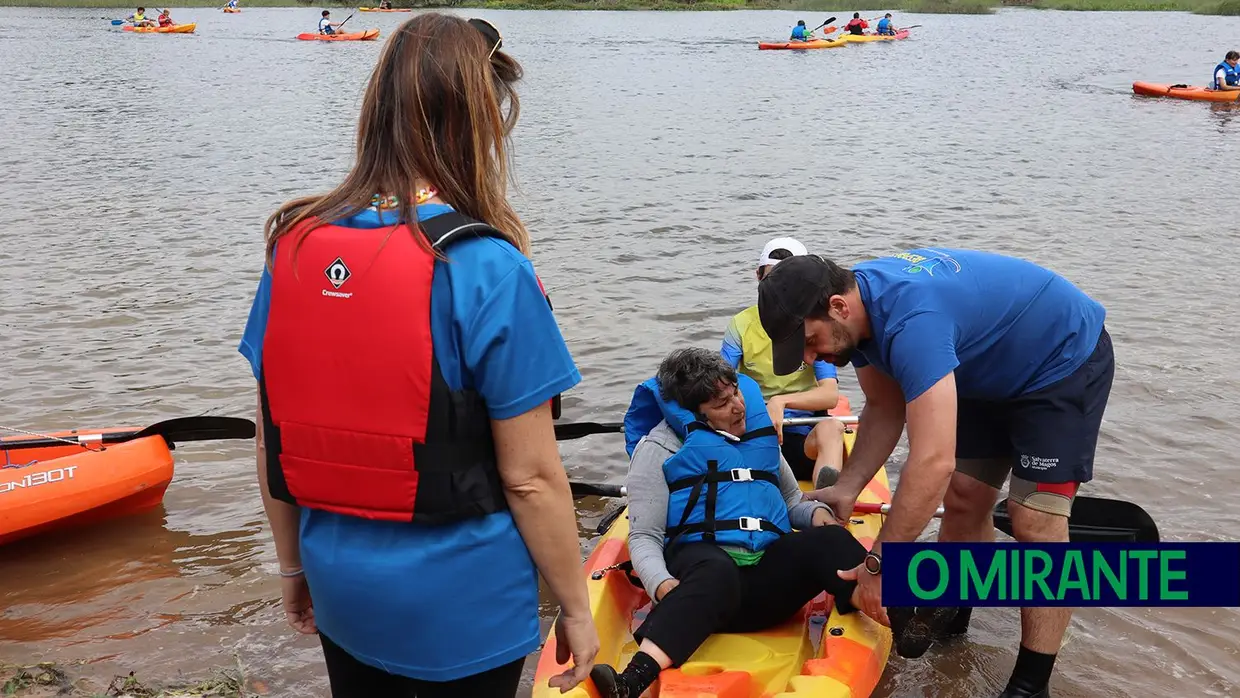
(789, 244)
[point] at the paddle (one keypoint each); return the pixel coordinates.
(173, 431)
(1094, 519)
(576, 430)
(346, 21)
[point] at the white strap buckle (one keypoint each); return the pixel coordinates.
(742, 475)
(751, 524)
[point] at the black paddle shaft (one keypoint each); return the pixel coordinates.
(173, 431)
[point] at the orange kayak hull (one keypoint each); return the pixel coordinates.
(177, 29)
(366, 35)
(801, 45)
(817, 652)
(68, 486)
(230, 11)
(377, 9)
(1191, 92)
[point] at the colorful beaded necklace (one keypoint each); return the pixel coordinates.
(390, 202)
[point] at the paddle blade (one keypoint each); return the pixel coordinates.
(1096, 520)
(589, 489)
(199, 429)
(117, 22)
(569, 431)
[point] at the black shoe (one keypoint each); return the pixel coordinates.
(913, 630)
(1011, 692)
(826, 477)
(959, 624)
(608, 682)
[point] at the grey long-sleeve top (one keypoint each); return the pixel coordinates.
(648, 502)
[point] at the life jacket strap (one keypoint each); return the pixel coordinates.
(745, 523)
(733, 475)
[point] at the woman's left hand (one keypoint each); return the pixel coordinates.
(298, 608)
(823, 517)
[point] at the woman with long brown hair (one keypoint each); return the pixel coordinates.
(408, 362)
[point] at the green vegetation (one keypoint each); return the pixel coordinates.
(1201, 7)
(47, 679)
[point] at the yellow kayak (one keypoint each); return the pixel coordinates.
(862, 38)
(842, 657)
(175, 29)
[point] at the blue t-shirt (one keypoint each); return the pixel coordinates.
(734, 354)
(799, 32)
(1007, 327)
(884, 25)
(438, 603)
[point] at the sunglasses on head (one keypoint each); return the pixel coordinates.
(489, 32)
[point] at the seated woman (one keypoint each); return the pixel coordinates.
(712, 508)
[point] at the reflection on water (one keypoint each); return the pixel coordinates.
(657, 152)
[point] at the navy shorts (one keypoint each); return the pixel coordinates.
(1048, 436)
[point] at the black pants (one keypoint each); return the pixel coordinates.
(793, 449)
(715, 595)
(352, 679)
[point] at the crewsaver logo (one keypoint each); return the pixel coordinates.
(337, 273)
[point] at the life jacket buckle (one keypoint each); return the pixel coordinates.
(742, 475)
(750, 524)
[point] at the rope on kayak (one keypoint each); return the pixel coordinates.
(72, 442)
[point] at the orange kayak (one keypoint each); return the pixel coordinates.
(366, 35)
(376, 9)
(175, 29)
(817, 652)
(74, 478)
(64, 486)
(232, 10)
(1193, 92)
(801, 45)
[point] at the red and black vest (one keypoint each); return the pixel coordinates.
(357, 417)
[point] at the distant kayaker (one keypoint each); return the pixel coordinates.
(1226, 74)
(884, 26)
(326, 25)
(997, 366)
(800, 33)
(232, 4)
(385, 5)
(756, 571)
(815, 454)
(857, 25)
(138, 19)
(165, 18)
(408, 367)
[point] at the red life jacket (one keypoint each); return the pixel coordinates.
(358, 419)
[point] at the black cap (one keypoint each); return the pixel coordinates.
(793, 289)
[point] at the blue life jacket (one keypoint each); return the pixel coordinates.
(884, 26)
(722, 489)
(798, 32)
(1231, 75)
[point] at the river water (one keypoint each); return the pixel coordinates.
(656, 153)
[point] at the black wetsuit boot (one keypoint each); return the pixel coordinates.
(1031, 676)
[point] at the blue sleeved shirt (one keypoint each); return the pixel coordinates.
(884, 25)
(1005, 326)
(438, 603)
(798, 33)
(733, 352)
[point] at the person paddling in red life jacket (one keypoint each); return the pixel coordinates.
(408, 367)
(165, 18)
(856, 25)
